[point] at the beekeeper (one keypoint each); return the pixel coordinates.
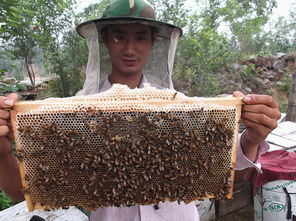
(128, 46)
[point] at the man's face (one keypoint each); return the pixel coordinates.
(129, 46)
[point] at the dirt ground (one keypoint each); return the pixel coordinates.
(243, 214)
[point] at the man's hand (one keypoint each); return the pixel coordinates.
(10, 180)
(6, 103)
(260, 114)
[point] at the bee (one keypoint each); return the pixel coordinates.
(85, 189)
(174, 95)
(20, 154)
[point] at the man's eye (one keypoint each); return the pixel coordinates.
(119, 38)
(141, 38)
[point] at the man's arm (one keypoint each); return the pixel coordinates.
(10, 180)
(260, 114)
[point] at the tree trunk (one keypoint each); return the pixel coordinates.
(291, 114)
(30, 71)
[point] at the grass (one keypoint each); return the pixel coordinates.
(5, 202)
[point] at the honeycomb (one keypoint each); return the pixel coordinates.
(124, 147)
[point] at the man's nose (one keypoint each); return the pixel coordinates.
(130, 46)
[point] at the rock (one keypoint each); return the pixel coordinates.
(248, 90)
(19, 212)
(230, 85)
(280, 55)
(259, 80)
(244, 68)
(260, 61)
(270, 75)
(279, 64)
(266, 81)
(236, 67)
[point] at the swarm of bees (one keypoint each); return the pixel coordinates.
(95, 158)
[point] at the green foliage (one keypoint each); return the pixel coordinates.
(246, 20)
(205, 85)
(61, 16)
(5, 202)
(40, 25)
(283, 105)
(249, 73)
(286, 83)
(282, 34)
(202, 53)
(17, 70)
(10, 12)
(210, 55)
(269, 92)
(8, 85)
(54, 88)
(73, 45)
(172, 11)
(93, 11)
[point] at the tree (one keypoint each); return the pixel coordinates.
(53, 21)
(172, 11)
(93, 11)
(203, 53)
(73, 55)
(246, 19)
(291, 114)
(281, 37)
(16, 31)
(10, 11)
(40, 24)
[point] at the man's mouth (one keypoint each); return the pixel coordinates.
(129, 62)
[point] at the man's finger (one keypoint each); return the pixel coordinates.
(4, 131)
(3, 122)
(8, 101)
(260, 99)
(260, 119)
(238, 94)
(13, 96)
(4, 114)
(262, 109)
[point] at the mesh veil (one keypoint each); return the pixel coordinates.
(158, 70)
(92, 75)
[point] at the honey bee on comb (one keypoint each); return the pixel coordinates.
(97, 152)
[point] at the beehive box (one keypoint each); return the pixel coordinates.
(125, 147)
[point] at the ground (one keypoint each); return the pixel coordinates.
(243, 214)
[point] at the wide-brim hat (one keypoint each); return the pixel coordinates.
(128, 12)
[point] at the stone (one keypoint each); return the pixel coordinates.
(19, 212)
(279, 64)
(279, 83)
(266, 81)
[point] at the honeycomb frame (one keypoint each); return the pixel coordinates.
(126, 147)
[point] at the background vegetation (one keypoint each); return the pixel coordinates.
(42, 33)
(39, 36)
